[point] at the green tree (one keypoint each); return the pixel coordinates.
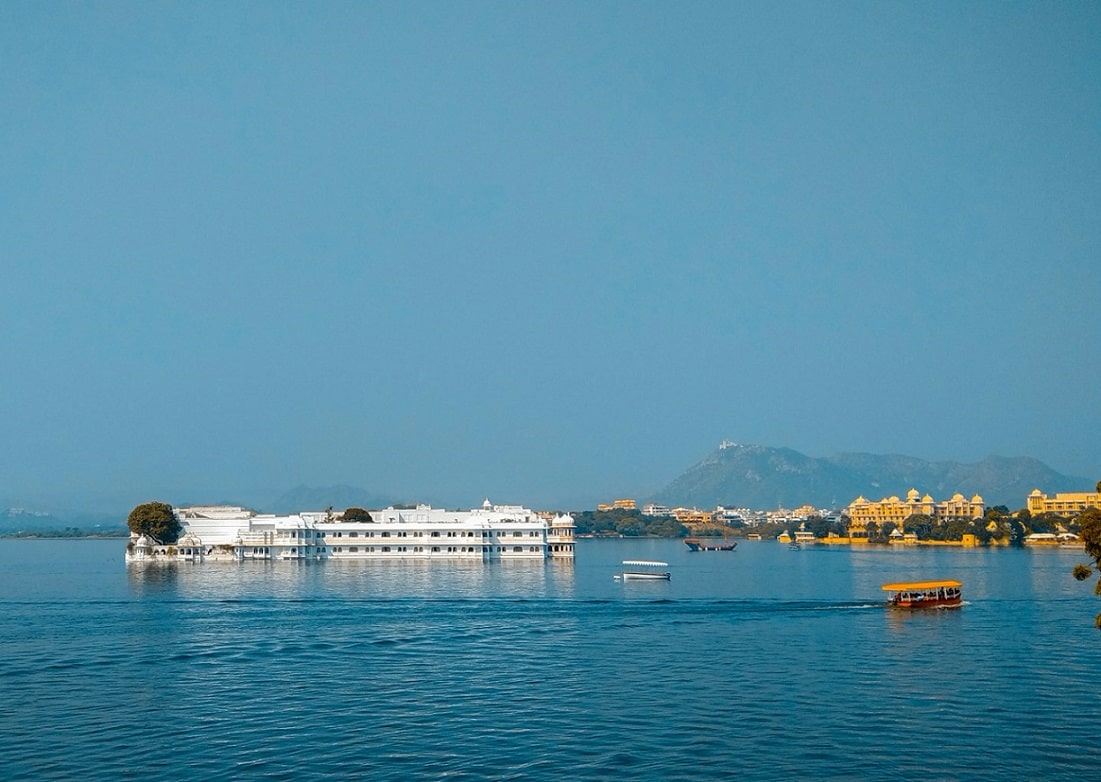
(666, 527)
(956, 528)
(630, 523)
(356, 514)
(156, 520)
(819, 526)
(1089, 528)
(1045, 522)
(920, 524)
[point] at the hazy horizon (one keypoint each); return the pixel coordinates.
(267, 499)
(528, 251)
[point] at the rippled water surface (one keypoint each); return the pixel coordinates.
(762, 663)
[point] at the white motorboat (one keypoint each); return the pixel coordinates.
(644, 569)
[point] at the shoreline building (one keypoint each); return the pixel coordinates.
(1063, 503)
(863, 512)
(692, 516)
(491, 533)
(621, 504)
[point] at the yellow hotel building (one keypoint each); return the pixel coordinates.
(863, 512)
(1065, 504)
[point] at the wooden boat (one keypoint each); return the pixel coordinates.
(645, 569)
(699, 544)
(925, 594)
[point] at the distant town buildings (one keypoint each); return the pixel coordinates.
(739, 516)
(693, 516)
(862, 511)
(683, 515)
(865, 519)
(732, 515)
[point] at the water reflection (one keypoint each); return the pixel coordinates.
(353, 579)
(900, 620)
(152, 579)
(38, 571)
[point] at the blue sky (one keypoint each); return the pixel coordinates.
(545, 252)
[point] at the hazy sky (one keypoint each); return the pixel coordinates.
(542, 251)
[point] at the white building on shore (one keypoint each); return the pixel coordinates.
(490, 533)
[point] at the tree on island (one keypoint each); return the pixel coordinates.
(155, 520)
(1089, 524)
(629, 523)
(356, 514)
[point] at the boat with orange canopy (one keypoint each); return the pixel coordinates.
(925, 594)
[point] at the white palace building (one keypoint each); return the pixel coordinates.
(490, 533)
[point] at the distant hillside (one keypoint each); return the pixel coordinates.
(17, 520)
(20, 519)
(338, 497)
(761, 477)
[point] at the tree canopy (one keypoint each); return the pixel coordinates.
(156, 520)
(356, 514)
(1089, 528)
(630, 523)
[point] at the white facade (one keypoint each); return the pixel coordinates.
(214, 524)
(487, 534)
(730, 515)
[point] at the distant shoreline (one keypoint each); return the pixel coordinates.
(65, 535)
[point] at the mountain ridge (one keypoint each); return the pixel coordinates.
(761, 477)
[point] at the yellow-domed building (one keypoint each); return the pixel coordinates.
(863, 512)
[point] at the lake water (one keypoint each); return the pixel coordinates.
(760, 664)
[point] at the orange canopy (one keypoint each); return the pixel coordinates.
(918, 586)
